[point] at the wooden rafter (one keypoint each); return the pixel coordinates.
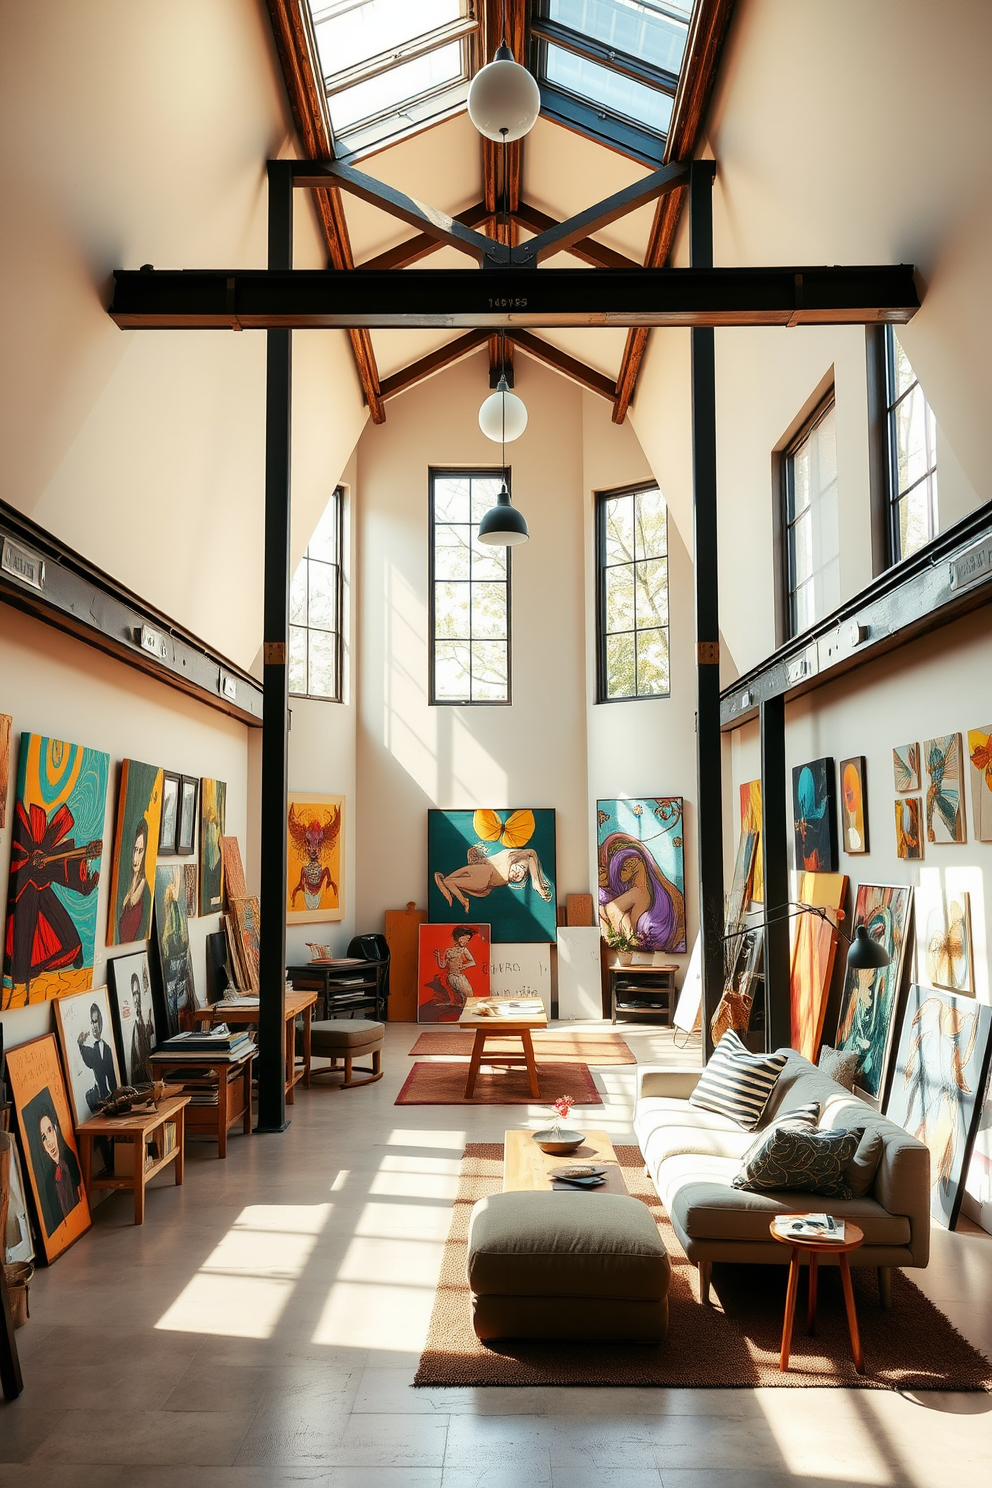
(412, 250)
(306, 100)
(568, 366)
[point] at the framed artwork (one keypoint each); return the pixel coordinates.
(641, 872)
(244, 913)
(504, 857)
(980, 755)
(739, 898)
(521, 969)
(452, 965)
(909, 828)
(169, 824)
(47, 1134)
(186, 835)
(868, 1002)
(136, 850)
(133, 1015)
(55, 857)
(944, 956)
(750, 794)
(18, 1244)
(314, 858)
(191, 883)
(213, 811)
(906, 767)
(941, 1071)
(172, 938)
(945, 801)
(814, 812)
(813, 953)
(89, 1055)
(854, 804)
(234, 873)
(6, 725)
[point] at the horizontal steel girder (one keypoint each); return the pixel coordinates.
(460, 299)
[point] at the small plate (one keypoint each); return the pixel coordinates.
(578, 1170)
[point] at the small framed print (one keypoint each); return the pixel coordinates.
(171, 787)
(186, 837)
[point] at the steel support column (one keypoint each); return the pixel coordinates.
(775, 864)
(275, 702)
(709, 744)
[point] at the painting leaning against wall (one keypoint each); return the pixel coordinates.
(504, 856)
(868, 1003)
(641, 872)
(132, 869)
(213, 813)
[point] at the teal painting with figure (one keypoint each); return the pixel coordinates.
(641, 873)
(496, 865)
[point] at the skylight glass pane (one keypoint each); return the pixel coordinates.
(349, 33)
(400, 85)
(609, 90)
(629, 26)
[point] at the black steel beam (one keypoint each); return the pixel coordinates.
(775, 868)
(583, 224)
(260, 299)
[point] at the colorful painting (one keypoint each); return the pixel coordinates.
(854, 804)
(245, 914)
(48, 1139)
(55, 857)
(89, 1055)
(813, 953)
(452, 965)
(6, 724)
(172, 937)
(191, 882)
(909, 828)
(641, 872)
(943, 936)
(941, 1071)
(314, 859)
(980, 754)
(945, 800)
(814, 813)
(869, 999)
(133, 1014)
(739, 899)
(906, 767)
(213, 812)
(750, 794)
(16, 1241)
(136, 848)
(505, 857)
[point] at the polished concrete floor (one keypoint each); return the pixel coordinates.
(263, 1326)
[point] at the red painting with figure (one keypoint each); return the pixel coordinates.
(452, 966)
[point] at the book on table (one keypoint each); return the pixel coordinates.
(810, 1227)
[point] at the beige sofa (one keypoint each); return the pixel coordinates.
(692, 1155)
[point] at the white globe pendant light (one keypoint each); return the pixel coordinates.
(503, 99)
(503, 416)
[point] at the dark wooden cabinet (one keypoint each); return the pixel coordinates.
(348, 991)
(642, 993)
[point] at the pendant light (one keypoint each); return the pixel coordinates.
(503, 98)
(502, 526)
(503, 416)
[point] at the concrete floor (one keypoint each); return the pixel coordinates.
(263, 1327)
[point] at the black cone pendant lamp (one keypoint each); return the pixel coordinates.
(503, 526)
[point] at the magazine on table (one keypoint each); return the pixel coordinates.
(810, 1227)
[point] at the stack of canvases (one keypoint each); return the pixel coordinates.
(57, 849)
(241, 922)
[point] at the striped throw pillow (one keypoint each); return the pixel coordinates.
(736, 1083)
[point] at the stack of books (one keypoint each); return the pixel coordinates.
(223, 1044)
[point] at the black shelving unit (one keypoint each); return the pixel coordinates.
(354, 991)
(642, 994)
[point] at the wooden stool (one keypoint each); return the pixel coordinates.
(853, 1237)
(348, 1039)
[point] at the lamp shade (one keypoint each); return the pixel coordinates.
(503, 416)
(866, 954)
(503, 99)
(503, 526)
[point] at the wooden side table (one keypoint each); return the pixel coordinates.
(297, 1004)
(135, 1130)
(853, 1238)
(511, 1024)
(232, 1081)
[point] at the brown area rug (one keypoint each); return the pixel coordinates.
(577, 1047)
(444, 1085)
(733, 1344)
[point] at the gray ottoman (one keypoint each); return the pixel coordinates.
(348, 1039)
(567, 1265)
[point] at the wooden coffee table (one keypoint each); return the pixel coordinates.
(510, 1017)
(853, 1238)
(525, 1166)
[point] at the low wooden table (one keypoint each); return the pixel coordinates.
(296, 1003)
(232, 1079)
(134, 1129)
(512, 1023)
(526, 1167)
(853, 1238)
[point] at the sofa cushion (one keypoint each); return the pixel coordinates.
(789, 1155)
(737, 1083)
(859, 1175)
(839, 1064)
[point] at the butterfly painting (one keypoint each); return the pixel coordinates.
(503, 857)
(945, 803)
(906, 766)
(980, 754)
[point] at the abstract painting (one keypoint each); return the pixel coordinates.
(234, 873)
(191, 878)
(869, 998)
(48, 1139)
(55, 856)
(136, 849)
(172, 937)
(906, 767)
(814, 813)
(134, 1015)
(89, 1055)
(945, 800)
(6, 724)
(854, 804)
(641, 871)
(909, 828)
(943, 936)
(314, 858)
(980, 754)
(739, 898)
(452, 965)
(213, 811)
(16, 1243)
(941, 1071)
(245, 915)
(750, 794)
(503, 857)
(813, 953)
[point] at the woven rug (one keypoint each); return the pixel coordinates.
(578, 1047)
(733, 1344)
(444, 1085)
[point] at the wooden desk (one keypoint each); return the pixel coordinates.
(238, 1015)
(853, 1238)
(232, 1080)
(135, 1129)
(526, 1167)
(512, 1022)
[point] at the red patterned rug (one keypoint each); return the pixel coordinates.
(498, 1085)
(600, 1047)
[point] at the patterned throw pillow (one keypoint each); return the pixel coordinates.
(859, 1175)
(736, 1083)
(839, 1065)
(790, 1157)
(803, 1118)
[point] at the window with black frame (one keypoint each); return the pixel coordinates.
(812, 525)
(911, 446)
(470, 592)
(632, 565)
(315, 610)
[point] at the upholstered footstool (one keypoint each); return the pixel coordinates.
(568, 1266)
(348, 1039)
